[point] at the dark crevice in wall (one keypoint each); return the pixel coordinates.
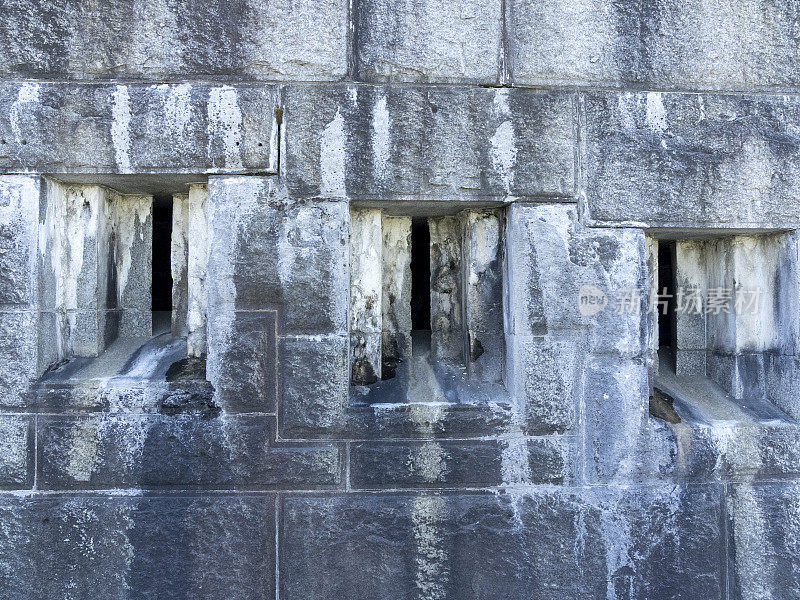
(420, 275)
(162, 250)
(667, 320)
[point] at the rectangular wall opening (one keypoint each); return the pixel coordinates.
(161, 304)
(665, 288)
(420, 276)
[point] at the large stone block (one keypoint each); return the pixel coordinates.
(267, 251)
(16, 452)
(428, 41)
(543, 379)
(764, 528)
(160, 40)
(555, 264)
(19, 210)
(18, 356)
(105, 128)
(737, 45)
(243, 360)
(137, 547)
(641, 542)
(689, 160)
(665, 541)
(434, 464)
(615, 396)
(442, 143)
(158, 451)
(441, 546)
(315, 381)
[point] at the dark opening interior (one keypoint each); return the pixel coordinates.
(420, 275)
(162, 273)
(667, 326)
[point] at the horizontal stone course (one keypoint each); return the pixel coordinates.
(137, 547)
(182, 451)
(685, 44)
(676, 160)
(158, 40)
(369, 546)
(440, 142)
(458, 464)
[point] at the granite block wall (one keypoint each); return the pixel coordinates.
(590, 131)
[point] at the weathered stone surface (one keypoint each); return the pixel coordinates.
(16, 452)
(440, 143)
(137, 547)
(179, 263)
(764, 527)
(428, 41)
(158, 40)
(124, 395)
(541, 376)
(130, 128)
(314, 382)
(155, 451)
(267, 251)
(18, 356)
(366, 296)
(458, 464)
(132, 236)
(19, 209)
(688, 160)
(440, 546)
(243, 360)
(690, 44)
(664, 542)
(554, 262)
(484, 261)
(615, 393)
(453, 546)
(197, 267)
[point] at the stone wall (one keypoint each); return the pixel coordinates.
(594, 129)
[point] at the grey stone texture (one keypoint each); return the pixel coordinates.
(685, 44)
(552, 145)
(734, 156)
(428, 41)
(159, 40)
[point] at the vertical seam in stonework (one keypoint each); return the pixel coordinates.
(351, 40)
(347, 466)
(725, 544)
(277, 547)
(579, 190)
(505, 70)
(35, 452)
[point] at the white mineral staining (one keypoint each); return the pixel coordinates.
(120, 128)
(381, 142)
(366, 291)
(225, 126)
(332, 158)
(178, 109)
(396, 314)
(28, 94)
(179, 263)
(656, 113)
(196, 270)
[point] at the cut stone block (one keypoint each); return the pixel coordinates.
(179, 263)
(448, 342)
(429, 41)
(366, 295)
(196, 270)
(396, 312)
